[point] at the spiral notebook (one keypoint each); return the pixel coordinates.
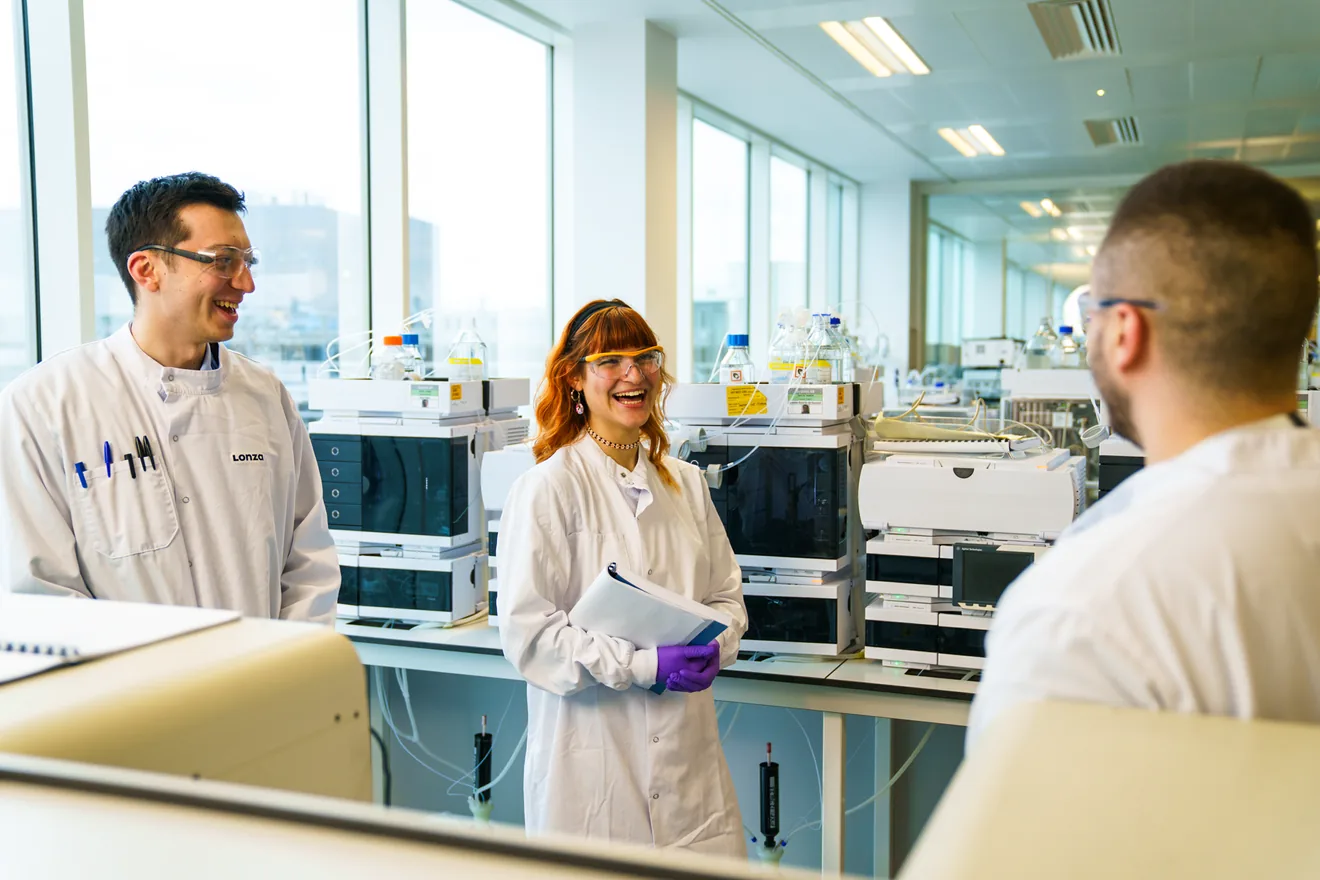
(628, 606)
(38, 633)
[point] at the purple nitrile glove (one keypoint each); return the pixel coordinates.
(690, 680)
(672, 659)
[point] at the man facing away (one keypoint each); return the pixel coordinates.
(1195, 585)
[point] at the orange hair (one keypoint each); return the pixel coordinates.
(608, 326)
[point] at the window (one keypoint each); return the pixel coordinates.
(281, 123)
(719, 243)
(834, 245)
(948, 274)
(788, 237)
(18, 345)
(479, 184)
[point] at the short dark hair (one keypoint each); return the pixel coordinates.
(1229, 252)
(148, 213)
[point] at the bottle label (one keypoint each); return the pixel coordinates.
(465, 362)
(734, 376)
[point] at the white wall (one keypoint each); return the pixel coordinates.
(984, 315)
(625, 179)
(885, 256)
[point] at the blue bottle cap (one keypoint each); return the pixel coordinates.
(1065, 328)
(410, 338)
(834, 321)
(736, 339)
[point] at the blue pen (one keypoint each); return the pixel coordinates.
(81, 470)
(107, 458)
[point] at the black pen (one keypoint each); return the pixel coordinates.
(141, 453)
(146, 444)
(131, 470)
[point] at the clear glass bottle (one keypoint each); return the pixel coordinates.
(1071, 354)
(467, 356)
(388, 359)
(819, 351)
(736, 368)
(1042, 349)
(843, 352)
(414, 367)
(785, 351)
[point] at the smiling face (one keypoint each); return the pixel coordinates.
(198, 302)
(619, 394)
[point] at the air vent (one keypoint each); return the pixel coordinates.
(1077, 28)
(1108, 132)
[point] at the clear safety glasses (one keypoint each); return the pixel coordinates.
(1086, 305)
(614, 365)
(227, 261)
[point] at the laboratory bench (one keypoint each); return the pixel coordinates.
(833, 687)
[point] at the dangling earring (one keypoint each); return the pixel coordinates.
(576, 397)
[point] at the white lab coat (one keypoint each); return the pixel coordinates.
(1193, 587)
(204, 528)
(606, 758)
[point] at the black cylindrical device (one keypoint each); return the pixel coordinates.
(769, 800)
(481, 756)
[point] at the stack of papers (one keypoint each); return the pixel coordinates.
(38, 633)
(627, 606)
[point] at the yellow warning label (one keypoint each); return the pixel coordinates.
(840, 395)
(455, 391)
(744, 400)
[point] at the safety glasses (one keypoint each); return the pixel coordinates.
(1086, 305)
(227, 261)
(614, 365)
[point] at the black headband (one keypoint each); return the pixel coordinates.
(587, 312)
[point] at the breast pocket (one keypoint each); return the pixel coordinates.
(127, 516)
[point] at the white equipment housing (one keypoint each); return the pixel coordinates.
(782, 461)
(1037, 495)
(400, 466)
(500, 469)
(954, 532)
(992, 353)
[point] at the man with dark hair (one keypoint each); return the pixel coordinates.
(156, 465)
(1195, 585)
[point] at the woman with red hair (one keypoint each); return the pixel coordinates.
(607, 757)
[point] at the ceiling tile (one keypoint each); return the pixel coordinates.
(1149, 27)
(1230, 24)
(1006, 36)
(1159, 130)
(1288, 76)
(1223, 80)
(1272, 122)
(940, 41)
(1165, 86)
(1217, 125)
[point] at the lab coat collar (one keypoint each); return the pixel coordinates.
(639, 478)
(169, 383)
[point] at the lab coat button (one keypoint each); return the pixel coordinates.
(169, 377)
(655, 739)
(185, 499)
(175, 438)
(655, 797)
(649, 571)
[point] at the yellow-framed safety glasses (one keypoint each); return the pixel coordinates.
(614, 365)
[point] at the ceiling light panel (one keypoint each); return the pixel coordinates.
(1031, 208)
(958, 142)
(972, 141)
(1051, 208)
(854, 47)
(896, 44)
(984, 139)
(874, 44)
